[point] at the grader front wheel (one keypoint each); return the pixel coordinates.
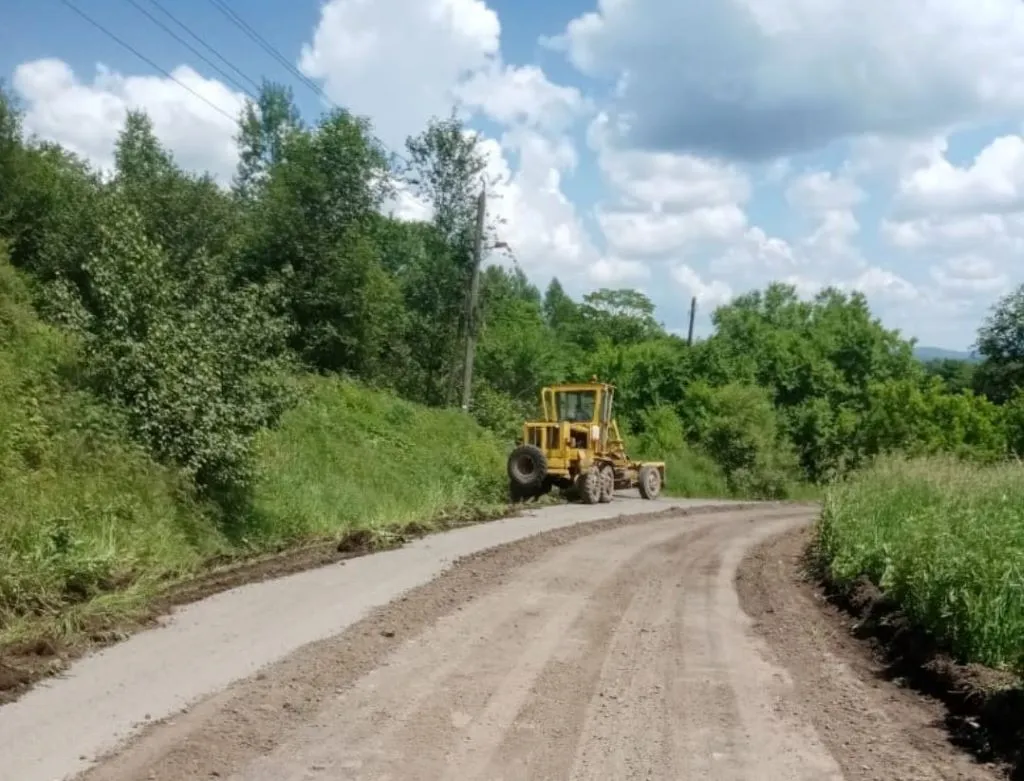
(649, 482)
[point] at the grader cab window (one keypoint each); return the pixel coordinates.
(575, 406)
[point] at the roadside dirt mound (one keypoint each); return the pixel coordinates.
(985, 706)
(922, 698)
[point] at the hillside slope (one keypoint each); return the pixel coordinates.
(92, 528)
(925, 353)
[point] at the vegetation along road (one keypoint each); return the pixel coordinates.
(205, 385)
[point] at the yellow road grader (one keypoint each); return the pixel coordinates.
(577, 448)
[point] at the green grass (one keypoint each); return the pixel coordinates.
(945, 540)
(350, 459)
(692, 473)
(689, 473)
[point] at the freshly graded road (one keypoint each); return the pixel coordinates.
(616, 649)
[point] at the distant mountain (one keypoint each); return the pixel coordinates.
(941, 354)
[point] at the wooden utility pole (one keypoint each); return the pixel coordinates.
(693, 314)
(474, 294)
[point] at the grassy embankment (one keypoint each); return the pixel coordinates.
(91, 529)
(945, 541)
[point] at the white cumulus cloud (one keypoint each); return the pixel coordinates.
(822, 192)
(710, 293)
(992, 182)
(400, 62)
(86, 117)
(522, 96)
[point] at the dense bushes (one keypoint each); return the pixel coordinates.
(196, 364)
(91, 525)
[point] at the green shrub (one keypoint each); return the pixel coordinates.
(91, 526)
(923, 419)
(738, 427)
(501, 413)
(194, 363)
(688, 472)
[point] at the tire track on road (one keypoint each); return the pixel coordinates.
(435, 705)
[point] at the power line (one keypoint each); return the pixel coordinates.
(244, 26)
(146, 59)
(211, 49)
(189, 46)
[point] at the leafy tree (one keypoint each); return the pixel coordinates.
(1012, 413)
(264, 130)
(446, 170)
(647, 375)
(923, 418)
(1001, 345)
(617, 316)
(561, 313)
(738, 427)
(45, 198)
(829, 349)
(11, 151)
(517, 353)
(956, 375)
(186, 215)
(312, 234)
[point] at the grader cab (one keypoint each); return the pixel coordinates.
(577, 448)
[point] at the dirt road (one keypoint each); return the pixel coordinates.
(59, 728)
(611, 651)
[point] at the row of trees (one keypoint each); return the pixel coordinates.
(195, 304)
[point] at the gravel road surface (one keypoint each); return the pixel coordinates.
(616, 649)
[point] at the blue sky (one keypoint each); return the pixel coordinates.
(686, 149)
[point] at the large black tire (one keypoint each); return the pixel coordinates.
(588, 485)
(527, 467)
(607, 483)
(649, 482)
